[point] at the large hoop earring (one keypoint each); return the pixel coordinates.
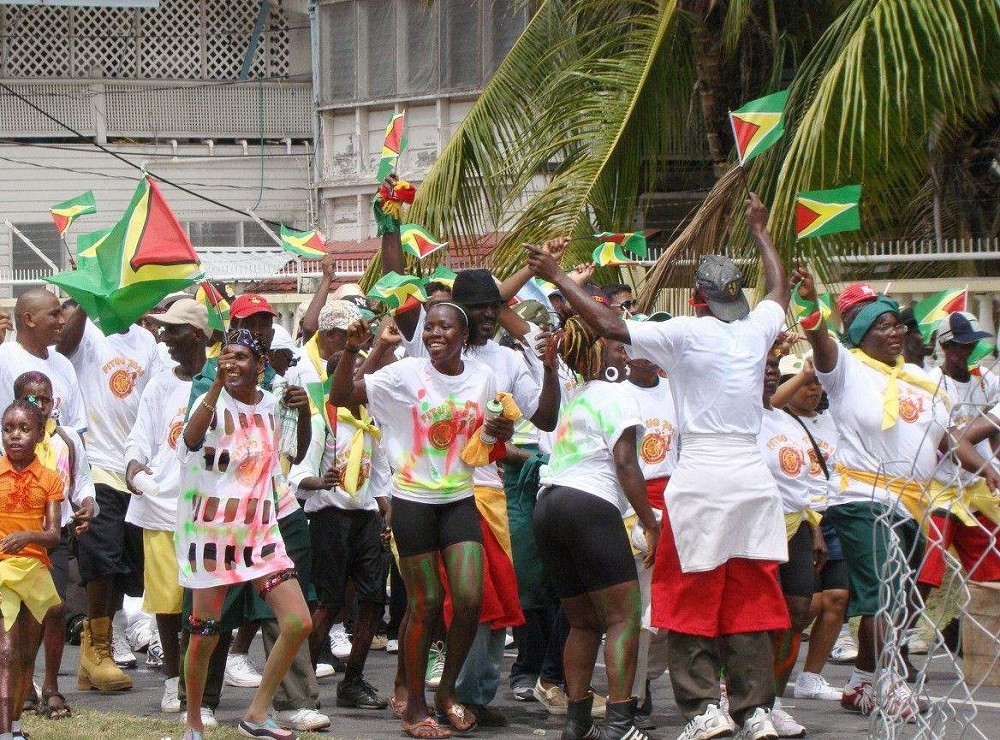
(611, 374)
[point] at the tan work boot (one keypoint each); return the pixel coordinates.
(97, 668)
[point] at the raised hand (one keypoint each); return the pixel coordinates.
(802, 280)
(756, 214)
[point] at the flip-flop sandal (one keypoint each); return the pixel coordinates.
(61, 711)
(459, 717)
(266, 729)
(428, 727)
(31, 699)
(398, 707)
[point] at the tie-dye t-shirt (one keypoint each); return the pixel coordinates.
(426, 418)
(227, 513)
(589, 427)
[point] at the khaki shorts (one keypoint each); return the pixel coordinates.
(163, 594)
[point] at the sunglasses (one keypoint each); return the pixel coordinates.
(627, 305)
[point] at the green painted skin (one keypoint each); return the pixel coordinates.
(621, 643)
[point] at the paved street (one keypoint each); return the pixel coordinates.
(823, 719)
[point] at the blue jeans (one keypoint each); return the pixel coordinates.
(479, 678)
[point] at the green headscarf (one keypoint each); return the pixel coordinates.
(866, 316)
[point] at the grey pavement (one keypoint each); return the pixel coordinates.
(529, 719)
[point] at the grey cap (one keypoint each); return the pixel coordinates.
(721, 284)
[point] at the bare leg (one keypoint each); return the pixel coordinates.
(294, 625)
(399, 683)
(207, 605)
(27, 642)
(424, 596)
(169, 627)
(54, 639)
(788, 642)
(582, 645)
(101, 598)
(833, 607)
(464, 565)
(244, 636)
(618, 608)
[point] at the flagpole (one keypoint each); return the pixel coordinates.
(31, 245)
(69, 253)
(267, 230)
(207, 286)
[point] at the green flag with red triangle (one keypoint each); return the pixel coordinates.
(758, 124)
(392, 146)
(822, 212)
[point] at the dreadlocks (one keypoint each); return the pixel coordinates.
(581, 348)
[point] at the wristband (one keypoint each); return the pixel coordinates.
(208, 406)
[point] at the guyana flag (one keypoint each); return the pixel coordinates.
(399, 293)
(392, 147)
(810, 313)
(308, 244)
(418, 241)
(319, 395)
(611, 254)
(63, 214)
(215, 301)
(634, 241)
(929, 312)
(146, 256)
(983, 349)
(86, 247)
(758, 124)
(822, 212)
(442, 275)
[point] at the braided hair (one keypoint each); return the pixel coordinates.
(581, 348)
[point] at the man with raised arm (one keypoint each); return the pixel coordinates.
(715, 585)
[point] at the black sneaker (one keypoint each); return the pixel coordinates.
(359, 694)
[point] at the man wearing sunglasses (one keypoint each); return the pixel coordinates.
(619, 297)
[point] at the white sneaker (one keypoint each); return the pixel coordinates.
(713, 722)
(171, 702)
(340, 643)
(845, 649)
(208, 718)
(139, 634)
(784, 723)
(508, 640)
(154, 652)
(392, 646)
(814, 686)
(435, 665)
(121, 652)
(303, 720)
(241, 672)
(917, 644)
(325, 670)
(724, 706)
(758, 726)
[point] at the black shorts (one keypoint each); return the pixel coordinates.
(346, 544)
(798, 575)
(111, 547)
(582, 542)
(833, 577)
(419, 528)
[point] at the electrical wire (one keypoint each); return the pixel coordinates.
(168, 154)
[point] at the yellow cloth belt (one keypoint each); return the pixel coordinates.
(895, 373)
(476, 453)
(965, 502)
(25, 581)
(909, 492)
(793, 520)
(362, 426)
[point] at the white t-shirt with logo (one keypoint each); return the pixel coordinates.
(153, 442)
(332, 450)
(969, 401)
(113, 372)
(716, 369)
(657, 449)
(824, 431)
(787, 457)
(67, 401)
(588, 429)
(904, 453)
(426, 419)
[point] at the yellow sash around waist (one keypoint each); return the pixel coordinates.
(965, 502)
(909, 492)
(794, 519)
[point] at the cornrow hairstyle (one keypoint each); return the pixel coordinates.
(581, 348)
(32, 377)
(31, 409)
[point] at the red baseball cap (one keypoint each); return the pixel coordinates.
(248, 304)
(854, 294)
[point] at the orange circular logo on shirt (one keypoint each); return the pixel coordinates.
(246, 471)
(442, 434)
(174, 434)
(815, 469)
(790, 461)
(653, 448)
(908, 410)
(121, 383)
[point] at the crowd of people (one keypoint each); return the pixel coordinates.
(686, 494)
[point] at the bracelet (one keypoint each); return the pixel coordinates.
(207, 405)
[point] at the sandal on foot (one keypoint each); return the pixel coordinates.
(398, 707)
(266, 729)
(193, 735)
(459, 717)
(31, 699)
(427, 728)
(59, 711)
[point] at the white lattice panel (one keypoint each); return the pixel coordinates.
(104, 42)
(171, 40)
(36, 42)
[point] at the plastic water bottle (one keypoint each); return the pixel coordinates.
(146, 483)
(288, 421)
(493, 409)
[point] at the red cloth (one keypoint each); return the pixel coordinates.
(738, 597)
(854, 294)
(976, 547)
(654, 491)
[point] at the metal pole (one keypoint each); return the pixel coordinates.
(267, 230)
(16, 231)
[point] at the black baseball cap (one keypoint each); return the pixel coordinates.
(721, 285)
(473, 287)
(961, 328)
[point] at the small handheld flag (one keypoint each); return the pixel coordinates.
(610, 254)
(929, 312)
(418, 242)
(63, 214)
(86, 247)
(822, 212)
(399, 293)
(392, 146)
(214, 300)
(442, 275)
(633, 241)
(758, 124)
(308, 244)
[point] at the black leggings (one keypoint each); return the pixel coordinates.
(420, 527)
(582, 541)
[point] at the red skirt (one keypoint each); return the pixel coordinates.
(739, 597)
